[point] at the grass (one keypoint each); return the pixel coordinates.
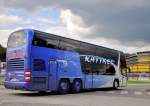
(138, 82)
(1, 80)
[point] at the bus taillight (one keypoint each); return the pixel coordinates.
(27, 75)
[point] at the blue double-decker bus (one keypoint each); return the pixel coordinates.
(38, 61)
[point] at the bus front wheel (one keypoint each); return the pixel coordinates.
(116, 84)
(64, 86)
(77, 85)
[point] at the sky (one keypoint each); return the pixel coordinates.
(122, 25)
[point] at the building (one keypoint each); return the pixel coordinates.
(139, 64)
(2, 54)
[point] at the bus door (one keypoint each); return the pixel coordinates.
(98, 78)
(102, 80)
(88, 80)
(124, 76)
(52, 75)
(103, 77)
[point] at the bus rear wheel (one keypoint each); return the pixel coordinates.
(64, 86)
(77, 86)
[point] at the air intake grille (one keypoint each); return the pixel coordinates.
(16, 64)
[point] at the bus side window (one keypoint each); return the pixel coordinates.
(123, 69)
(43, 42)
(39, 42)
(53, 43)
(99, 68)
(110, 70)
(69, 45)
(87, 49)
(39, 65)
(86, 67)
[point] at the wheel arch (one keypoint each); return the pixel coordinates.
(78, 79)
(116, 79)
(65, 79)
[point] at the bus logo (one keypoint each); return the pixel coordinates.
(97, 59)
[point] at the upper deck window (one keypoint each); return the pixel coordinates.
(69, 45)
(16, 39)
(47, 41)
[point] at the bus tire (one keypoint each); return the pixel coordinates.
(42, 92)
(64, 86)
(77, 86)
(115, 84)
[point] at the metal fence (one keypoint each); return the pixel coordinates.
(139, 76)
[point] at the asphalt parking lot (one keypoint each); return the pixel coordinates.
(133, 95)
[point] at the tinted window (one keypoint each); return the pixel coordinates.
(122, 60)
(87, 49)
(95, 64)
(100, 51)
(39, 42)
(124, 71)
(52, 43)
(85, 66)
(110, 70)
(123, 67)
(49, 42)
(38, 65)
(17, 39)
(69, 45)
(110, 54)
(99, 68)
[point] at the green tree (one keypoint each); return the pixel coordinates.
(2, 54)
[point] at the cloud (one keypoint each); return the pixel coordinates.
(58, 30)
(46, 20)
(4, 34)
(123, 20)
(74, 23)
(106, 22)
(9, 19)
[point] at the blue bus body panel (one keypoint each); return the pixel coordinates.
(102, 81)
(64, 57)
(14, 78)
(88, 81)
(58, 64)
(66, 65)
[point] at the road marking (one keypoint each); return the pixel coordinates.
(148, 93)
(2, 87)
(138, 93)
(111, 92)
(124, 92)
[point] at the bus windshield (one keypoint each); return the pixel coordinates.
(16, 39)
